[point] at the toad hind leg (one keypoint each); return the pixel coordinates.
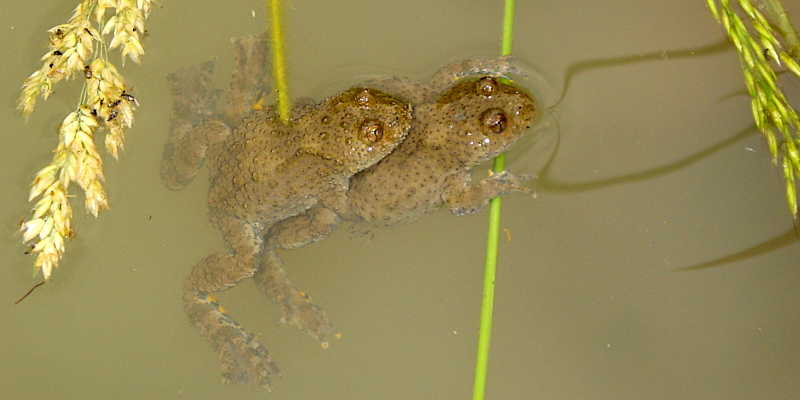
(242, 357)
(248, 78)
(298, 310)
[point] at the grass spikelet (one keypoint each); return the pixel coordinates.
(80, 48)
(762, 49)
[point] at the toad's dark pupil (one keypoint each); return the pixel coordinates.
(495, 119)
(372, 130)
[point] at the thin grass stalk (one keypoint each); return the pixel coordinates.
(278, 60)
(492, 240)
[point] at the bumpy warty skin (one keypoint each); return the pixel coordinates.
(267, 171)
(470, 123)
(455, 128)
(263, 171)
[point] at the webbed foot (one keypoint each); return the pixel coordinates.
(248, 78)
(298, 309)
(243, 359)
(506, 182)
(299, 312)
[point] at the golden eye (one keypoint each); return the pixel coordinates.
(371, 131)
(494, 119)
(487, 86)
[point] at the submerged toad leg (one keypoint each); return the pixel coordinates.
(304, 229)
(242, 357)
(298, 310)
(248, 78)
(462, 196)
(184, 156)
(192, 130)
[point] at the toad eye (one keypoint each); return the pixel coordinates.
(494, 119)
(371, 131)
(487, 86)
(364, 98)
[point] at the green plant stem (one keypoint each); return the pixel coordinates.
(508, 24)
(487, 302)
(492, 239)
(278, 60)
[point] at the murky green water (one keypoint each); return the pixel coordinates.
(588, 305)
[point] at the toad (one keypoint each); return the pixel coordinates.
(465, 116)
(263, 171)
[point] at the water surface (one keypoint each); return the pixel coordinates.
(588, 305)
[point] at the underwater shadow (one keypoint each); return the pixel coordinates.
(547, 184)
(776, 242)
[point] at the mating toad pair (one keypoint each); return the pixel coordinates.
(382, 153)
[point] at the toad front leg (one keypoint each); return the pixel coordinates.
(184, 156)
(303, 229)
(462, 196)
(243, 358)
